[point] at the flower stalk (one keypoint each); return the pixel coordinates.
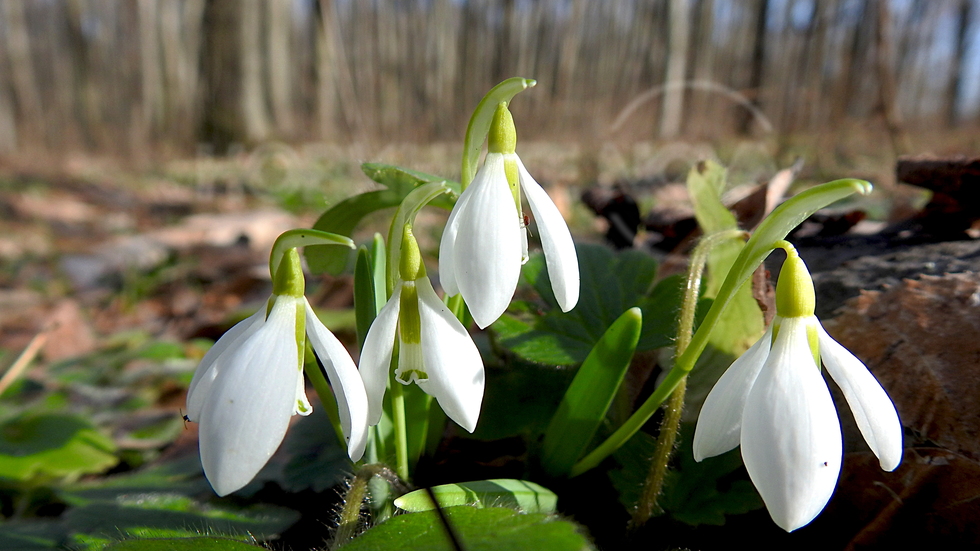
(669, 427)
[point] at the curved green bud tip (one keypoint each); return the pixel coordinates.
(289, 279)
(863, 187)
(794, 289)
(503, 134)
(410, 265)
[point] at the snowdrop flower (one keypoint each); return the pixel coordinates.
(485, 241)
(434, 349)
(774, 402)
(251, 382)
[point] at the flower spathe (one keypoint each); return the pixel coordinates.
(250, 383)
(485, 241)
(434, 349)
(774, 402)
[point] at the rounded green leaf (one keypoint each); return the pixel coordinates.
(517, 494)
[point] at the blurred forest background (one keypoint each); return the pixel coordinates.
(172, 78)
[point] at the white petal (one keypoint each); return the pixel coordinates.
(447, 246)
(376, 356)
(559, 249)
(487, 255)
(246, 415)
(791, 439)
(720, 421)
(345, 381)
(873, 410)
(452, 361)
(211, 364)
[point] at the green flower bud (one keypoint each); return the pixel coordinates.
(289, 279)
(794, 289)
(503, 134)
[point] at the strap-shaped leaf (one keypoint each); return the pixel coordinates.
(505, 492)
(587, 399)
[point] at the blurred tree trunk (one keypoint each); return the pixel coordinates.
(885, 53)
(280, 58)
(181, 43)
(675, 79)
(20, 70)
(151, 90)
(221, 68)
(954, 90)
(335, 90)
(253, 97)
(758, 64)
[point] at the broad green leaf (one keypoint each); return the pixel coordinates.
(611, 284)
(589, 396)
(19, 535)
(343, 217)
(694, 493)
(317, 461)
(517, 494)
(182, 544)
(489, 529)
(52, 445)
(479, 125)
(155, 513)
(742, 323)
(184, 477)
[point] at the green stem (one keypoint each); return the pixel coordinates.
(667, 437)
(401, 432)
(350, 514)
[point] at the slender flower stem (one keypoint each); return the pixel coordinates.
(350, 514)
(667, 437)
(398, 419)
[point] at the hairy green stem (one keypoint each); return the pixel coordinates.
(647, 506)
(350, 513)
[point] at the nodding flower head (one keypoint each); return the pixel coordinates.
(774, 402)
(250, 383)
(485, 240)
(434, 349)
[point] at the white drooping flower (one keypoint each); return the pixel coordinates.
(485, 240)
(434, 349)
(250, 383)
(774, 402)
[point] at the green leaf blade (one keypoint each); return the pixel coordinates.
(520, 495)
(592, 391)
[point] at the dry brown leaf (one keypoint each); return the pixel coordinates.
(921, 339)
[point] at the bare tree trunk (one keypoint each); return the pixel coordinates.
(152, 104)
(21, 72)
(673, 110)
(253, 98)
(954, 90)
(886, 81)
(758, 64)
(281, 75)
(221, 67)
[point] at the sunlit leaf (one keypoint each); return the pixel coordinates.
(489, 529)
(516, 494)
(592, 391)
(742, 323)
(156, 513)
(343, 217)
(52, 445)
(611, 284)
(182, 544)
